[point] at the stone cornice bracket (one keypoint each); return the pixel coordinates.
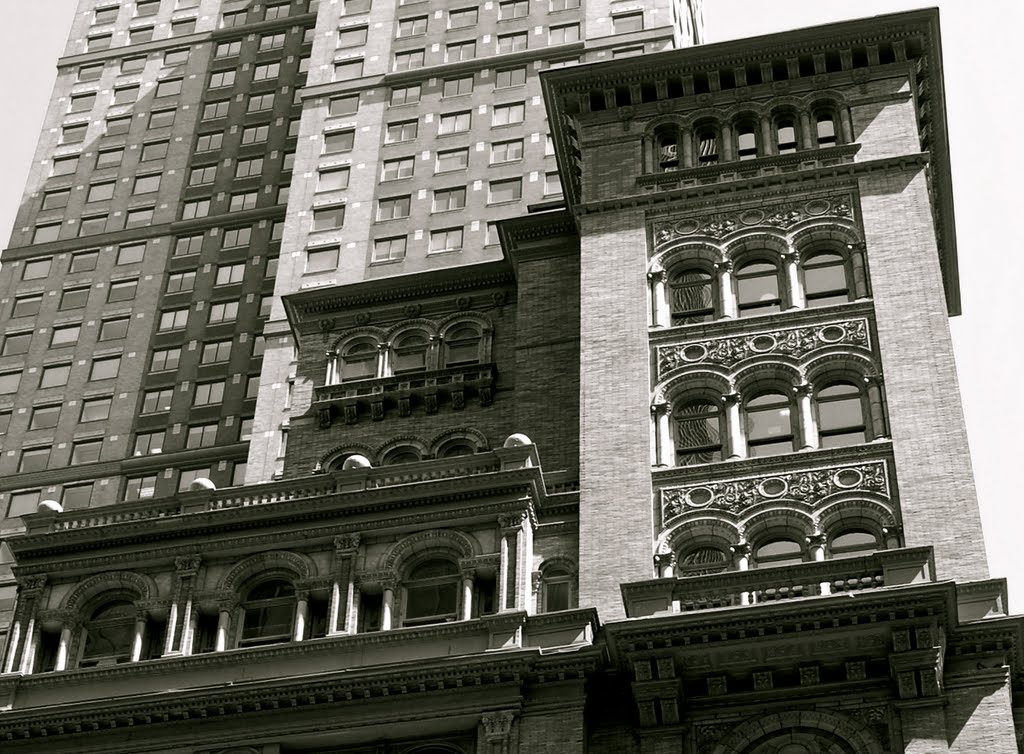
(31, 584)
(187, 565)
(346, 544)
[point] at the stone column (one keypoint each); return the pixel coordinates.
(383, 359)
(223, 625)
(845, 126)
(861, 290)
(796, 293)
(511, 528)
(741, 562)
(665, 564)
(24, 624)
(661, 314)
(387, 605)
(876, 407)
(339, 612)
(663, 432)
(726, 153)
(332, 377)
(725, 289)
(808, 139)
(816, 547)
(734, 426)
(686, 145)
(808, 429)
(64, 645)
(767, 140)
(468, 576)
(495, 733)
(139, 637)
(180, 614)
(301, 615)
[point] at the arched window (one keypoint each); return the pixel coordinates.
(757, 288)
(826, 130)
(698, 432)
(400, 455)
(779, 551)
(770, 428)
(431, 592)
(454, 448)
(692, 296)
(269, 613)
(746, 141)
(410, 353)
(840, 415)
(785, 136)
(359, 361)
(852, 543)
(707, 146)
(556, 590)
(109, 634)
(667, 145)
(825, 279)
(702, 561)
(462, 345)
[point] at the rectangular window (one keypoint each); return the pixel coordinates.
(149, 442)
(402, 131)
(109, 158)
(95, 409)
(393, 208)
(252, 386)
(125, 95)
(105, 369)
(56, 200)
(140, 35)
(178, 57)
(513, 9)
(195, 208)
(64, 166)
(512, 42)
(154, 401)
(328, 218)
(202, 175)
(23, 502)
(131, 253)
(460, 51)
(139, 217)
(339, 141)
(187, 476)
(272, 41)
(36, 269)
(161, 118)
(388, 249)
(146, 8)
(225, 311)
(114, 329)
(355, 6)
(347, 105)
(76, 496)
(209, 142)
(627, 22)
(65, 336)
(27, 306)
(46, 233)
(449, 199)
(259, 345)
(44, 417)
(165, 359)
(74, 298)
(454, 123)
(90, 72)
(227, 49)
(462, 18)
(179, 282)
(276, 11)
(453, 159)
(348, 70)
(238, 473)
(506, 151)
(455, 87)
(214, 110)
(557, 5)
(133, 65)
(400, 168)
(266, 71)
(510, 77)
(352, 37)
(99, 192)
(405, 95)
(255, 134)
(215, 352)
(505, 191)
(563, 34)
(552, 184)
(407, 61)
(186, 245)
(222, 78)
(84, 261)
(333, 180)
(266, 304)
(117, 126)
(209, 392)
(504, 115)
(122, 290)
(449, 239)
(259, 102)
(55, 375)
(86, 451)
(11, 381)
(73, 134)
(201, 436)
(146, 184)
(411, 27)
(16, 344)
(34, 459)
(82, 103)
(105, 15)
(99, 42)
(173, 319)
(236, 237)
(155, 150)
(140, 487)
(227, 274)
(322, 260)
(243, 201)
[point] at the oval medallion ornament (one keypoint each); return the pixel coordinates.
(817, 207)
(687, 227)
(832, 333)
(752, 217)
(773, 487)
(699, 497)
(848, 478)
(762, 343)
(694, 353)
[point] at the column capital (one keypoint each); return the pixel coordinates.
(816, 540)
(731, 399)
(32, 584)
(497, 725)
(659, 276)
(512, 521)
(740, 549)
(724, 266)
(803, 388)
(664, 559)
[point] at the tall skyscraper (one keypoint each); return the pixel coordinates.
(603, 407)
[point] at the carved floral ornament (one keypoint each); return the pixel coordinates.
(778, 216)
(796, 342)
(807, 487)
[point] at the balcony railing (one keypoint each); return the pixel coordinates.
(885, 568)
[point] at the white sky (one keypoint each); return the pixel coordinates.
(980, 40)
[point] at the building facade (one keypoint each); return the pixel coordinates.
(658, 452)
